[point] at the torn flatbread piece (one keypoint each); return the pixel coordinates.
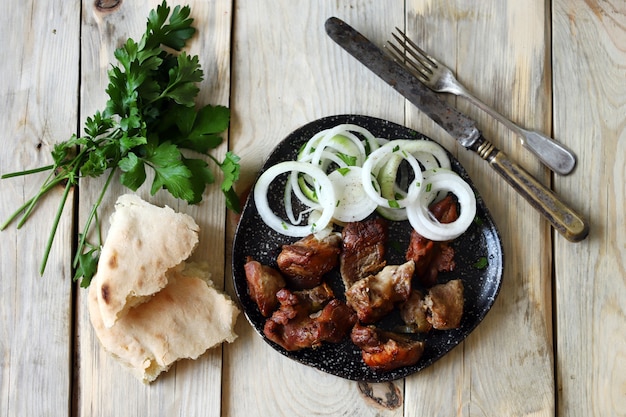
(183, 320)
(143, 243)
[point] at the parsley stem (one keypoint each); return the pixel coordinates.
(50, 182)
(44, 190)
(27, 172)
(90, 218)
(55, 225)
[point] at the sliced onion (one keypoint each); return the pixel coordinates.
(425, 147)
(324, 190)
(422, 219)
(372, 142)
(378, 181)
(339, 139)
(372, 166)
(353, 203)
(326, 149)
(333, 139)
(428, 153)
(396, 215)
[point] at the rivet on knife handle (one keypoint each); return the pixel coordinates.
(567, 222)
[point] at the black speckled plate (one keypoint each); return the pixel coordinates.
(478, 256)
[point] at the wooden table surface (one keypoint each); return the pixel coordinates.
(554, 342)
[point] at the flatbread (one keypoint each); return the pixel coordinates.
(143, 243)
(183, 320)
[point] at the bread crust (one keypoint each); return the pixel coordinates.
(143, 243)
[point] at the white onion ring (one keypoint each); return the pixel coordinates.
(372, 165)
(425, 146)
(422, 220)
(327, 142)
(325, 193)
(382, 186)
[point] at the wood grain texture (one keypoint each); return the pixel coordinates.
(505, 367)
(188, 389)
(589, 109)
(558, 67)
(38, 90)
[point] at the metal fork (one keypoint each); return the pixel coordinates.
(439, 78)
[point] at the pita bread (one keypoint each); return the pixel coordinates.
(143, 243)
(183, 320)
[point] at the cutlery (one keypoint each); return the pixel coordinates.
(439, 78)
(567, 222)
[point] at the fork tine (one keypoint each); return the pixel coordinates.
(413, 58)
(426, 66)
(420, 72)
(414, 49)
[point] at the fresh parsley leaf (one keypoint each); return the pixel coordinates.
(201, 130)
(182, 81)
(134, 172)
(231, 169)
(212, 119)
(173, 35)
(201, 176)
(87, 266)
(170, 171)
(481, 263)
(97, 125)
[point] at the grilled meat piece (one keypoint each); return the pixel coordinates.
(335, 321)
(444, 304)
(433, 257)
(385, 351)
(263, 284)
(413, 312)
(363, 251)
(305, 262)
(445, 210)
(375, 296)
(295, 325)
(315, 297)
(421, 251)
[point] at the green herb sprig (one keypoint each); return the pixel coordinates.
(149, 119)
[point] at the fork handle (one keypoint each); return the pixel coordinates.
(567, 222)
(554, 155)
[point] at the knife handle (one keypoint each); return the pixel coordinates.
(567, 222)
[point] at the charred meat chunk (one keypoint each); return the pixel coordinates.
(335, 321)
(422, 252)
(315, 297)
(385, 351)
(375, 296)
(295, 325)
(444, 305)
(263, 284)
(363, 251)
(433, 257)
(305, 262)
(413, 313)
(445, 210)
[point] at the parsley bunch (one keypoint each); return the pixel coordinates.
(150, 117)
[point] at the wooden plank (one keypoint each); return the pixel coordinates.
(283, 77)
(498, 50)
(39, 108)
(190, 388)
(589, 101)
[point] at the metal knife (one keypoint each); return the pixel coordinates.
(565, 220)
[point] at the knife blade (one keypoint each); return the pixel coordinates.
(565, 220)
